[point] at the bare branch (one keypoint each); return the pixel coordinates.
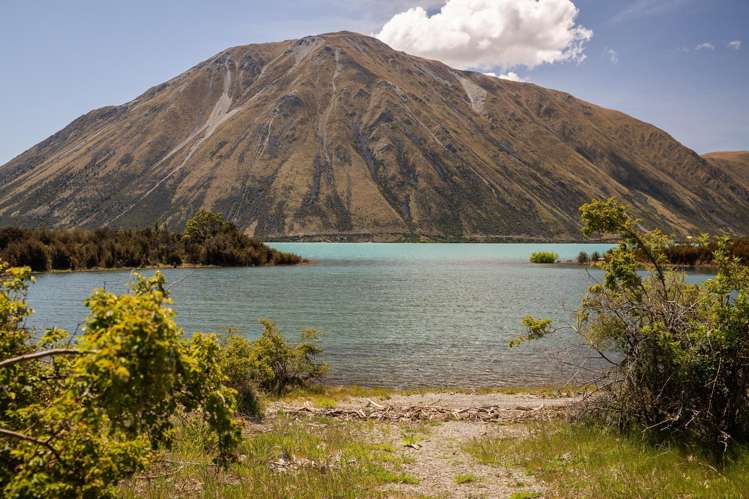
(45, 353)
(26, 438)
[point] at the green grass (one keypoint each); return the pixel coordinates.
(330, 458)
(543, 257)
(525, 495)
(465, 478)
(583, 461)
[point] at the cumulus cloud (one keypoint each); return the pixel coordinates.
(735, 45)
(486, 34)
(613, 56)
(510, 75)
(705, 46)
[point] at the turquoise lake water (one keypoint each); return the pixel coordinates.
(394, 314)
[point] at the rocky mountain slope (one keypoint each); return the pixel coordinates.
(733, 163)
(339, 136)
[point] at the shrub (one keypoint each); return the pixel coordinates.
(583, 257)
(701, 253)
(679, 352)
(237, 353)
(269, 363)
(544, 257)
(277, 365)
(78, 416)
(595, 256)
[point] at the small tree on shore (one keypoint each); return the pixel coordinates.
(272, 363)
(583, 258)
(679, 352)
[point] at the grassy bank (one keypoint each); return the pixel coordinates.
(315, 458)
(582, 461)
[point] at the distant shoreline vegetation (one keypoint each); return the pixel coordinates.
(697, 253)
(208, 240)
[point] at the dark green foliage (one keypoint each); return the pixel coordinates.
(692, 254)
(583, 257)
(248, 403)
(236, 353)
(679, 352)
(209, 241)
(204, 225)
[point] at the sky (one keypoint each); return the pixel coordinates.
(682, 65)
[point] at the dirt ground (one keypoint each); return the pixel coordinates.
(446, 422)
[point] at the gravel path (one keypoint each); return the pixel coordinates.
(437, 458)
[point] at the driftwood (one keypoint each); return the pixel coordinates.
(427, 413)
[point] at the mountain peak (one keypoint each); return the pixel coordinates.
(339, 136)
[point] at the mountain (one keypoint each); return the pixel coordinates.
(733, 163)
(339, 136)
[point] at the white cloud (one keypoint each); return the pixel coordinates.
(491, 33)
(735, 45)
(510, 75)
(613, 56)
(705, 46)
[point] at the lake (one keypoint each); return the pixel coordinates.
(402, 315)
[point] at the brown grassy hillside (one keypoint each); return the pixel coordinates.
(735, 163)
(340, 136)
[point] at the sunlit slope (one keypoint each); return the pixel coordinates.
(340, 136)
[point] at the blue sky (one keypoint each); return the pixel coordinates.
(59, 60)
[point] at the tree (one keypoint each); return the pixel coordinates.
(679, 352)
(205, 225)
(79, 415)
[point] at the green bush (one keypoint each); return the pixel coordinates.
(544, 257)
(79, 415)
(272, 363)
(583, 258)
(679, 352)
(237, 353)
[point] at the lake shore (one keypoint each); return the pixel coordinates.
(441, 442)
